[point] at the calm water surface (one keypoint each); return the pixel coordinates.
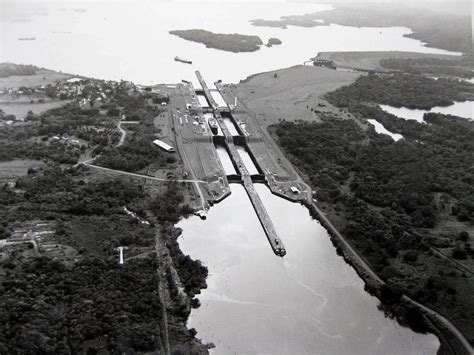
(120, 40)
(309, 302)
(379, 128)
(462, 109)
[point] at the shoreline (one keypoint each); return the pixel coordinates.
(438, 324)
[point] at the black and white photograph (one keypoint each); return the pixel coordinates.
(269, 177)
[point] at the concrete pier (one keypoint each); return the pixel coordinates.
(266, 222)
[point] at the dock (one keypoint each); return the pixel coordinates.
(264, 218)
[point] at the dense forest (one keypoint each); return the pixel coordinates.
(62, 289)
(398, 202)
(408, 90)
(87, 301)
(137, 152)
(446, 67)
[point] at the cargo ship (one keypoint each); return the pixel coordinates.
(178, 59)
(213, 125)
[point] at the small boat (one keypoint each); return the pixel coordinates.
(26, 38)
(178, 59)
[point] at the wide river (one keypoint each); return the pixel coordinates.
(310, 301)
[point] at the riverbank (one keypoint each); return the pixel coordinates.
(259, 85)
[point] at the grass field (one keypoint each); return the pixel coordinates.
(371, 60)
(11, 170)
(42, 77)
(20, 109)
(291, 93)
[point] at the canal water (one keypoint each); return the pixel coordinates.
(462, 109)
(225, 160)
(202, 101)
(230, 126)
(309, 302)
(248, 162)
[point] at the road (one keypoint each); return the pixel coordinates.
(123, 134)
(363, 264)
(140, 175)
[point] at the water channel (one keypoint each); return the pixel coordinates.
(244, 155)
(309, 302)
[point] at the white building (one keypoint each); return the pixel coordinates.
(164, 145)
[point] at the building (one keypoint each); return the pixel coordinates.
(324, 63)
(164, 146)
(294, 190)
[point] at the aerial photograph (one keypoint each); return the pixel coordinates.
(236, 177)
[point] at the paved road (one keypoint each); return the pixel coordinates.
(140, 175)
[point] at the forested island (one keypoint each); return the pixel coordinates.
(273, 42)
(308, 20)
(406, 206)
(226, 42)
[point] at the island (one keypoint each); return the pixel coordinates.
(273, 42)
(307, 20)
(226, 42)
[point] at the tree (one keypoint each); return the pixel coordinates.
(113, 112)
(464, 236)
(459, 253)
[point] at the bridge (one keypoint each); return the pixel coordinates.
(246, 178)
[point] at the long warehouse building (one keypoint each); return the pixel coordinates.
(164, 145)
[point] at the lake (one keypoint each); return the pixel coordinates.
(99, 39)
(379, 128)
(462, 109)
